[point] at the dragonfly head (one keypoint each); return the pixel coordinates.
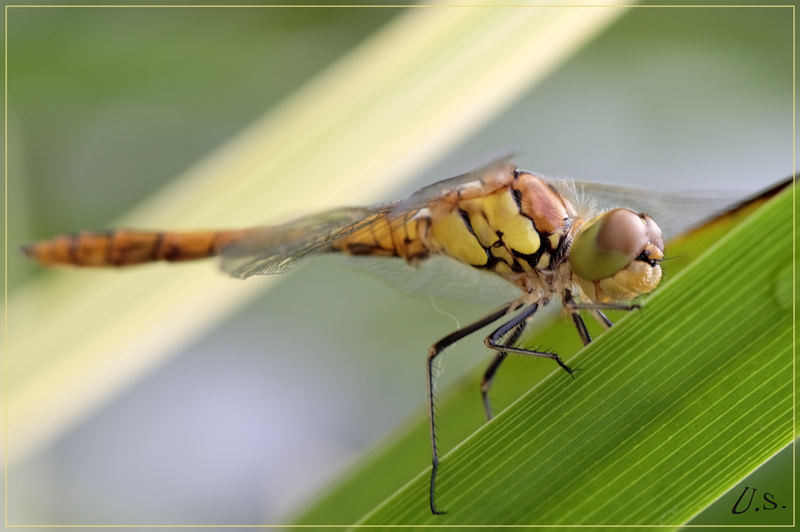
(617, 255)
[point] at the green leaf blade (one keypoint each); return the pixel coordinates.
(670, 410)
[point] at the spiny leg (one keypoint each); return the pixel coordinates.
(492, 341)
(433, 352)
(488, 375)
(516, 331)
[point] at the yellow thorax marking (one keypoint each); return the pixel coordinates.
(544, 262)
(454, 236)
(503, 254)
(499, 212)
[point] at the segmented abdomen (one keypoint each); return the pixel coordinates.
(389, 235)
(121, 247)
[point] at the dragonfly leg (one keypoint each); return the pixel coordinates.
(601, 318)
(491, 370)
(569, 303)
(596, 310)
(492, 341)
(434, 351)
(601, 306)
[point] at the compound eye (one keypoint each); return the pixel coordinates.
(654, 232)
(609, 242)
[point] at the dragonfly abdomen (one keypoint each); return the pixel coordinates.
(387, 236)
(124, 247)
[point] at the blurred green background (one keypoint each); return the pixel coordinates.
(257, 415)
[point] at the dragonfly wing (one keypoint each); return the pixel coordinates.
(498, 171)
(674, 212)
(438, 276)
(278, 248)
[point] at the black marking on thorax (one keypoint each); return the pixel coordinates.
(517, 195)
(533, 258)
(490, 259)
(499, 243)
(564, 243)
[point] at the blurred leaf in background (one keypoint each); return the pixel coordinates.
(254, 414)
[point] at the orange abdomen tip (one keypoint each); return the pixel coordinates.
(122, 247)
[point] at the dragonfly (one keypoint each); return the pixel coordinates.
(539, 235)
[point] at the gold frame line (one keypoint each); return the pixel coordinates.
(395, 6)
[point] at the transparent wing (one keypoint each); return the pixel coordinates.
(278, 248)
(674, 212)
(499, 171)
(439, 276)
